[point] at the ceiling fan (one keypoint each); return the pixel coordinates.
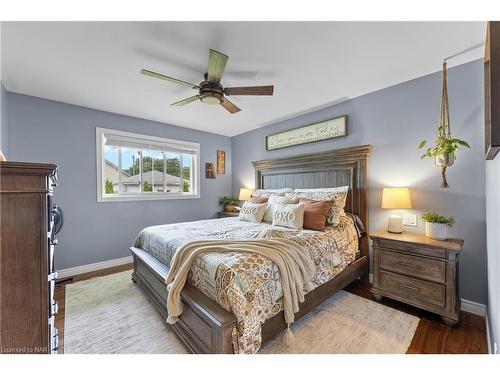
(210, 90)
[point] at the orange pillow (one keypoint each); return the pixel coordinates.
(258, 200)
(315, 213)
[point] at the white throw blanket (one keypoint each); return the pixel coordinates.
(295, 266)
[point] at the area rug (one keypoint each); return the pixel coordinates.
(110, 314)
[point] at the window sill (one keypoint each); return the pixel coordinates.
(129, 198)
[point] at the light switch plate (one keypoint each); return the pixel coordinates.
(410, 220)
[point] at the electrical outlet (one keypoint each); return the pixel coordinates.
(495, 348)
(410, 220)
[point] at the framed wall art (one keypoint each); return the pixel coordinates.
(221, 162)
(320, 131)
(209, 170)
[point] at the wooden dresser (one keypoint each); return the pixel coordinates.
(417, 270)
(27, 276)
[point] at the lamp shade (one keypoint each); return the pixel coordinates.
(245, 194)
(396, 198)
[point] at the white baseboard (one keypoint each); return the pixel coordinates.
(466, 305)
(68, 272)
(473, 307)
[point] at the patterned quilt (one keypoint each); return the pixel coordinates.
(248, 285)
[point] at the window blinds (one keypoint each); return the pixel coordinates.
(147, 144)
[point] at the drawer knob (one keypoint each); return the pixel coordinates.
(408, 248)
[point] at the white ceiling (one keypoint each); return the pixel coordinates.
(311, 64)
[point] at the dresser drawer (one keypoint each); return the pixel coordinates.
(423, 268)
(412, 289)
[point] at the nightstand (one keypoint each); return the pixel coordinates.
(419, 271)
(228, 214)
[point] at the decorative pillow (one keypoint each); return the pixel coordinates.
(258, 199)
(315, 213)
(269, 192)
(289, 215)
(338, 197)
(273, 200)
(252, 212)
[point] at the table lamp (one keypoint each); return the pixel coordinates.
(245, 194)
(396, 198)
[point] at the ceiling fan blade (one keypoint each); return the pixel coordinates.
(186, 101)
(216, 64)
(229, 105)
(249, 90)
(169, 79)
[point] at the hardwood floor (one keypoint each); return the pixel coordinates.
(431, 337)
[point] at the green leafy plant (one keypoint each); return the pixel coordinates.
(444, 151)
(443, 145)
(434, 217)
(228, 201)
(108, 187)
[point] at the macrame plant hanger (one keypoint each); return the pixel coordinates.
(444, 130)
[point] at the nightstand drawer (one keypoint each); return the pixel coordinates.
(412, 289)
(423, 268)
(413, 248)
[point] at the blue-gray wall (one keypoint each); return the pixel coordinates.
(3, 119)
(394, 120)
(493, 245)
(46, 131)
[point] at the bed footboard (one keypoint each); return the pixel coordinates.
(204, 326)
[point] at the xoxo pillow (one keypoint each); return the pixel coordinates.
(289, 215)
(252, 212)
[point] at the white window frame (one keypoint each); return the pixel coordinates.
(195, 175)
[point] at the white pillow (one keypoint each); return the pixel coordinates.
(289, 215)
(274, 200)
(269, 192)
(252, 212)
(337, 195)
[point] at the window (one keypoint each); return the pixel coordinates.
(140, 167)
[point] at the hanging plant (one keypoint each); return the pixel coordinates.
(445, 147)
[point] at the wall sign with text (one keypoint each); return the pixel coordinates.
(333, 128)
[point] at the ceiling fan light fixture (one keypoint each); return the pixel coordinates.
(212, 100)
(211, 91)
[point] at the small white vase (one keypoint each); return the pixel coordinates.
(436, 230)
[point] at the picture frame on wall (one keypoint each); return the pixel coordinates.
(209, 171)
(221, 162)
(319, 131)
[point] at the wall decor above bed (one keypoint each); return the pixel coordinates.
(319, 131)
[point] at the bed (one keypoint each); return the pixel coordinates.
(206, 325)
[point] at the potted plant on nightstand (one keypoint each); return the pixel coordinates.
(436, 225)
(228, 203)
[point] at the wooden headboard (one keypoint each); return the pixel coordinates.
(341, 167)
